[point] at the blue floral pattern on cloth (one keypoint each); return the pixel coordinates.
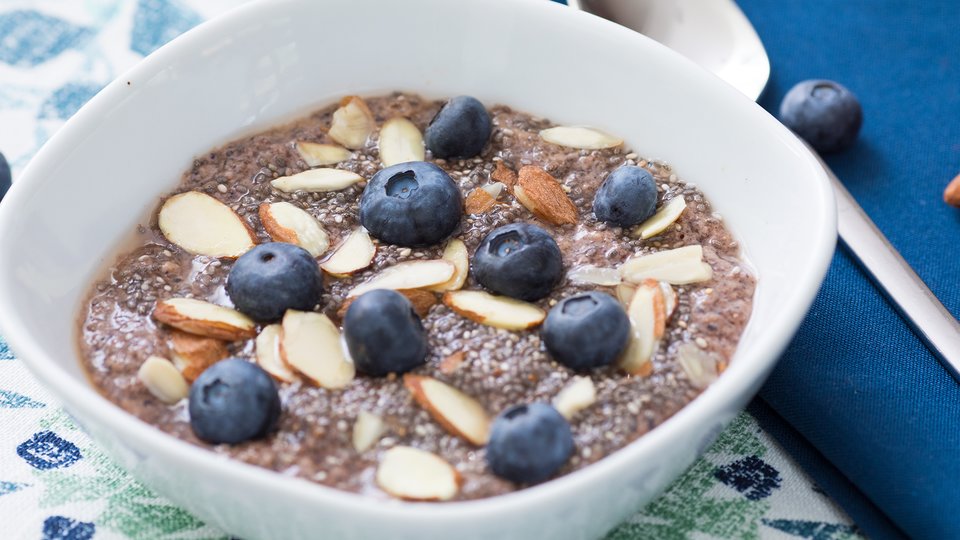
(751, 476)
(10, 487)
(64, 528)
(157, 22)
(5, 353)
(29, 38)
(13, 400)
(46, 450)
(67, 99)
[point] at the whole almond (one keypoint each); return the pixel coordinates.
(951, 195)
(544, 196)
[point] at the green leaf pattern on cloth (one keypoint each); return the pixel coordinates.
(688, 507)
(129, 508)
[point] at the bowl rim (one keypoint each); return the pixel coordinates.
(736, 380)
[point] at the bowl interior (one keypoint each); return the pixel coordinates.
(268, 62)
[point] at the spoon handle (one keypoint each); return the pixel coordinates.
(918, 306)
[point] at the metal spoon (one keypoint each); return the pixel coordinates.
(719, 37)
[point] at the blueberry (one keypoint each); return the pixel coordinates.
(460, 129)
(823, 113)
(411, 204)
(628, 196)
(5, 179)
(383, 333)
(271, 278)
(233, 401)
(529, 443)
(519, 260)
(586, 331)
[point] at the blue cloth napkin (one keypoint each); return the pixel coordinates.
(856, 383)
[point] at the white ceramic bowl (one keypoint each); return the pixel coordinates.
(267, 62)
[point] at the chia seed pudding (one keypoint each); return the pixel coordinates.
(499, 368)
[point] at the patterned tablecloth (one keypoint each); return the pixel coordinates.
(54, 481)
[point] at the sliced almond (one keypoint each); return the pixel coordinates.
(204, 319)
(352, 123)
(699, 365)
(400, 142)
(644, 315)
(625, 293)
(544, 196)
(479, 201)
(355, 253)
(635, 360)
(680, 274)
(494, 189)
(678, 266)
(670, 256)
(582, 137)
(311, 345)
(577, 395)
(669, 299)
(456, 253)
(417, 475)
(163, 380)
(421, 300)
(203, 225)
(722, 366)
(951, 194)
(595, 275)
(268, 354)
(504, 175)
(367, 430)
(644, 370)
(408, 275)
(664, 217)
(496, 311)
(659, 309)
(457, 412)
(320, 155)
(452, 363)
(317, 181)
(285, 222)
(192, 354)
